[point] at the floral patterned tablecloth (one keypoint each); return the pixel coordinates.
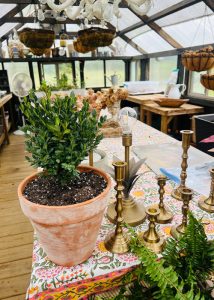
(104, 270)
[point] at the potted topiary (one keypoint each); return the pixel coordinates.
(65, 203)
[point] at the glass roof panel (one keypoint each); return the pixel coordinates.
(193, 33)
(72, 27)
(123, 48)
(5, 28)
(151, 42)
(28, 10)
(192, 12)
(127, 19)
(5, 8)
(138, 31)
(161, 5)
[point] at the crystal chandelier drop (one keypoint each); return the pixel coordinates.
(103, 10)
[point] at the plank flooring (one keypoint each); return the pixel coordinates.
(16, 233)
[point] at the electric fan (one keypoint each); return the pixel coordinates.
(20, 86)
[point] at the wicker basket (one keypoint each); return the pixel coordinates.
(198, 62)
(79, 47)
(96, 37)
(208, 81)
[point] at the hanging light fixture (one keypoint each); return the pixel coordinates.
(103, 10)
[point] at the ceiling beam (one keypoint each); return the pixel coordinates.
(46, 21)
(210, 4)
(122, 4)
(133, 44)
(170, 10)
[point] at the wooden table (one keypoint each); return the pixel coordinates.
(143, 99)
(4, 136)
(167, 113)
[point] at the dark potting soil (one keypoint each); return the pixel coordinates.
(48, 191)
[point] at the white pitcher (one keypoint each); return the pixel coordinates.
(176, 90)
(114, 79)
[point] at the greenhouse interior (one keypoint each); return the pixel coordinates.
(106, 149)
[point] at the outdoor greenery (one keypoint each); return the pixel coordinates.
(59, 134)
(182, 272)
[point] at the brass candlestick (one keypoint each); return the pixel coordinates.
(186, 137)
(117, 241)
(165, 216)
(208, 204)
(151, 238)
(91, 159)
(177, 231)
(133, 212)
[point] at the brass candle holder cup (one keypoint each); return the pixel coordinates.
(133, 212)
(208, 204)
(151, 238)
(186, 138)
(165, 216)
(177, 231)
(118, 241)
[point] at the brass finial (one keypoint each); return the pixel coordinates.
(208, 204)
(117, 241)
(151, 238)
(176, 231)
(165, 216)
(186, 138)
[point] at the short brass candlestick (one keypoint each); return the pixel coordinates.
(186, 138)
(165, 216)
(91, 159)
(177, 231)
(117, 241)
(133, 212)
(208, 204)
(151, 238)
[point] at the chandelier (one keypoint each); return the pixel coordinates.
(103, 10)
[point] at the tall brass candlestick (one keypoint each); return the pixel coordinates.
(186, 138)
(208, 204)
(117, 241)
(133, 212)
(91, 159)
(165, 216)
(176, 231)
(151, 238)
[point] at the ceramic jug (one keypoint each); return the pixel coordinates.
(176, 90)
(114, 79)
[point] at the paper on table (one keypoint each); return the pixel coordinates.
(198, 177)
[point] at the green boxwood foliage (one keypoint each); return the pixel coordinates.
(59, 136)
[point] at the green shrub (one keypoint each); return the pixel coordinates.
(59, 135)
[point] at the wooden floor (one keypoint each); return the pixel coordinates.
(16, 234)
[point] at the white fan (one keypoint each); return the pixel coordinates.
(20, 86)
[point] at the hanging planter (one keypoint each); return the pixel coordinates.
(38, 40)
(78, 46)
(208, 81)
(96, 37)
(200, 60)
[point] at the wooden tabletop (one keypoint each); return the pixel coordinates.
(142, 99)
(171, 111)
(4, 99)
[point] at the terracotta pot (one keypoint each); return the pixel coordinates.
(67, 233)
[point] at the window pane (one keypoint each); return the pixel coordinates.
(135, 71)
(50, 73)
(94, 74)
(67, 70)
(36, 75)
(77, 68)
(196, 87)
(115, 67)
(161, 68)
(16, 67)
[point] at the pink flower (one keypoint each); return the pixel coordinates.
(105, 259)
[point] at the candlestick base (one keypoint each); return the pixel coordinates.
(176, 193)
(206, 204)
(133, 213)
(157, 247)
(177, 231)
(165, 216)
(117, 243)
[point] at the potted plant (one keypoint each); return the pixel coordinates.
(66, 202)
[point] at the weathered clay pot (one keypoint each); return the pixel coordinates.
(67, 233)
